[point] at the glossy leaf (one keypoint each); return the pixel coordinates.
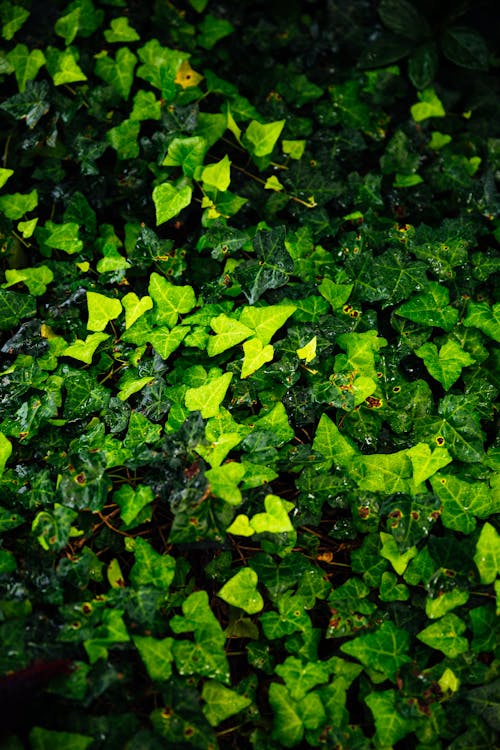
(487, 555)
(36, 279)
(384, 650)
(261, 138)
(256, 355)
(169, 300)
(445, 364)
(119, 72)
(241, 591)
(221, 702)
(229, 332)
(156, 654)
(431, 308)
(207, 398)
(14, 206)
(487, 319)
(84, 350)
(446, 635)
(169, 201)
(101, 310)
(462, 502)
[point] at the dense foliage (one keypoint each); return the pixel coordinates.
(249, 485)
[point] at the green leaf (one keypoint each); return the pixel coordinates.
(293, 149)
(170, 300)
(13, 307)
(118, 73)
(487, 554)
(48, 739)
(256, 355)
(462, 502)
(212, 30)
(207, 398)
(446, 364)
(13, 18)
(64, 237)
(229, 332)
(111, 631)
(150, 568)
(332, 446)
(288, 726)
(146, 106)
(160, 66)
(166, 341)
(221, 702)
(390, 551)
(390, 725)
(487, 319)
(157, 656)
(132, 501)
(123, 138)
(445, 635)
(63, 66)
(260, 138)
(120, 31)
(133, 385)
(426, 462)
(300, 678)
(169, 201)
(431, 308)
(84, 350)
(404, 19)
(387, 472)
(241, 591)
(271, 270)
(36, 279)
(384, 650)
(465, 47)
(484, 702)
(14, 206)
(67, 26)
(224, 481)
(429, 105)
(187, 153)
(5, 451)
(26, 64)
(265, 321)
(135, 307)
(4, 175)
(101, 310)
(445, 602)
(217, 175)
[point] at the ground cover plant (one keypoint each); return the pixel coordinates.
(249, 486)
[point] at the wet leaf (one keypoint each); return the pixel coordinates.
(445, 364)
(487, 555)
(221, 702)
(446, 635)
(384, 650)
(241, 591)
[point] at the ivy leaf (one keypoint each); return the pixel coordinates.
(429, 105)
(384, 650)
(146, 106)
(187, 153)
(4, 175)
(390, 551)
(456, 426)
(333, 446)
(431, 308)
(123, 138)
(63, 66)
(229, 332)
(84, 350)
(462, 502)
(166, 341)
(67, 26)
(445, 635)
(36, 279)
(487, 319)
(271, 270)
(217, 175)
(157, 656)
(13, 17)
(256, 355)
(212, 30)
(207, 398)
(26, 64)
(445, 601)
(265, 321)
(388, 472)
(112, 630)
(484, 702)
(160, 65)
(41, 739)
(241, 591)
(150, 568)
(221, 702)
(64, 237)
(14, 206)
(170, 300)
(13, 307)
(300, 678)
(446, 364)
(426, 462)
(101, 310)
(169, 201)
(487, 555)
(260, 138)
(288, 725)
(135, 307)
(224, 481)
(118, 73)
(5, 451)
(390, 725)
(120, 31)
(335, 294)
(132, 501)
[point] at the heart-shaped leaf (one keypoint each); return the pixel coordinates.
(241, 591)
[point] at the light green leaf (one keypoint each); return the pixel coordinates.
(275, 520)
(64, 237)
(390, 726)
(431, 308)
(445, 635)
(150, 567)
(241, 526)
(265, 321)
(157, 656)
(212, 30)
(332, 445)
(14, 206)
(166, 341)
(48, 739)
(120, 31)
(36, 279)
(336, 294)
(224, 481)
(426, 462)
(5, 451)
(446, 364)
(12, 17)
(132, 501)
(241, 591)
(187, 153)
(133, 385)
(385, 472)
(229, 332)
(4, 175)
(135, 307)
(361, 349)
(67, 26)
(207, 398)
(308, 351)
(217, 175)
(288, 727)
(429, 106)
(26, 64)
(111, 631)
(276, 421)
(300, 677)
(260, 139)
(256, 355)
(118, 73)
(221, 702)
(27, 228)
(84, 350)
(390, 551)
(384, 650)
(487, 319)
(463, 502)
(63, 66)
(272, 183)
(487, 555)
(170, 300)
(101, 310)
(169, 201)
(123, 138)
(146, 107)
(160, 66)
(444, 602)
(293, 149)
